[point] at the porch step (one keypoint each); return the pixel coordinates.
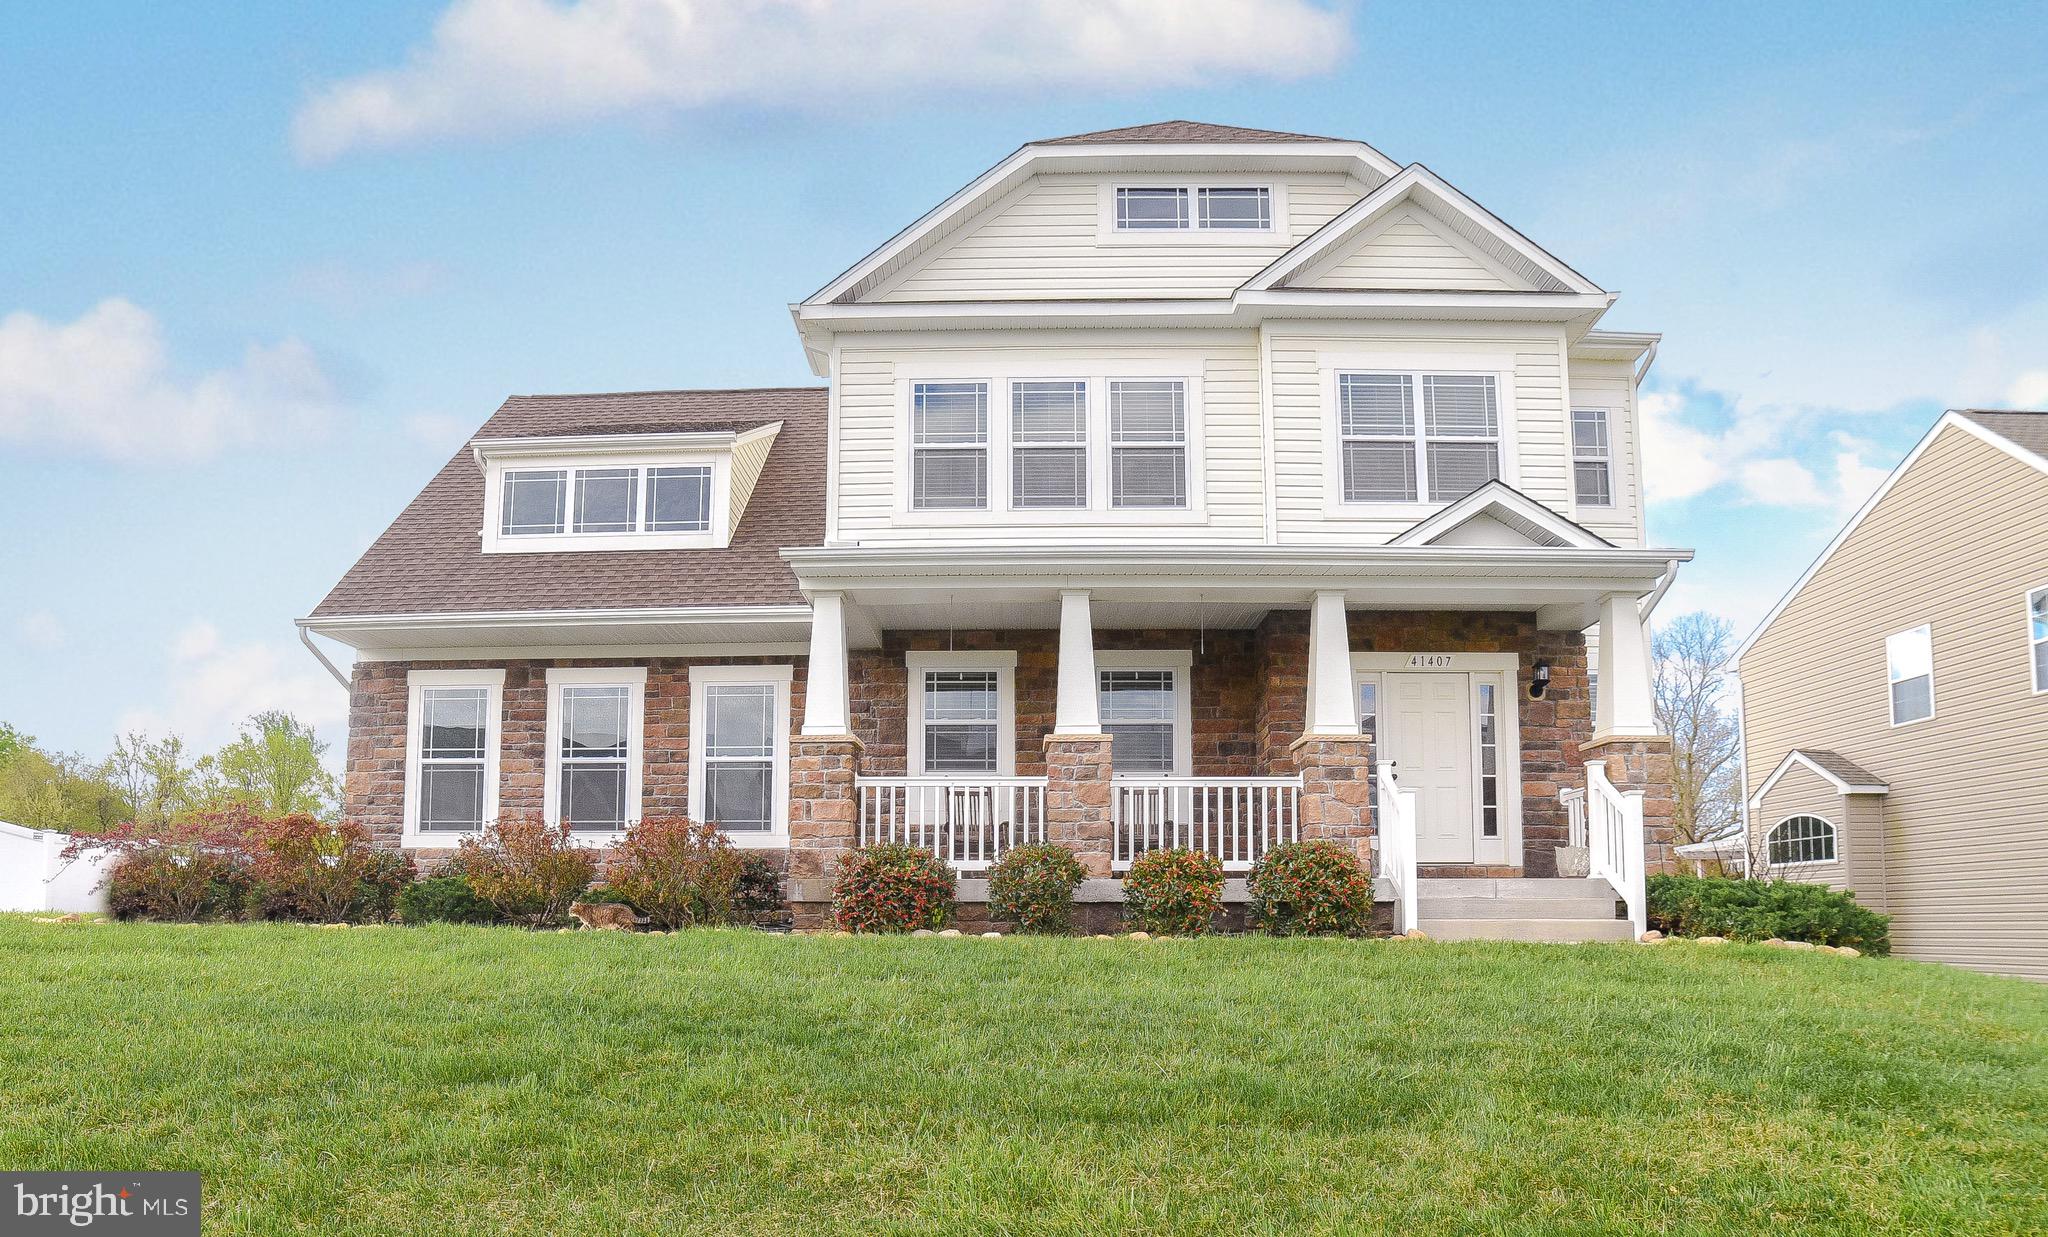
(1512, 887)
(1560, 931)
(1489, 908)
(1427, 907)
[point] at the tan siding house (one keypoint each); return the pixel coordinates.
(1909, 651)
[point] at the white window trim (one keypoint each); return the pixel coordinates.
(718, 536)
(1834, 836)
(779, 677)
(634, 677)
(1890, 704)
(493, 681)
(1107, 233)
(1499, 367)
(1004, 663)
(1606, 458)
(2027, 626)
(999, 511)
(1180, 662)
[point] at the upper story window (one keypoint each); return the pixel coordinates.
(1049, 444)
(1592, 458)
(1148, 444)
(1194, 208)
(1909, 657)
(1390, 455)
(618, 492)
(537, 502)
(2037, 635)
(949, 432)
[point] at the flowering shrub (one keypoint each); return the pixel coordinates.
(1309, 889)
(196, 867)
(307, 869)
(446, 898)
(1034, 887)
(892, 888)
(1176, 892)
(529, 871)
(677, 873)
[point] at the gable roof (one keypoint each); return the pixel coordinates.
(1501, 502)
(1193, 131)
(2009, 431)
(1845, 775)
(431, 559)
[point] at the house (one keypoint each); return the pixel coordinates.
(1895, 703)
(1172, 485)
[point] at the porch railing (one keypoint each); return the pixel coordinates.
(1574, 800)
(1614, 837)
(1397, 844)
(1236, 819)
(968, 822)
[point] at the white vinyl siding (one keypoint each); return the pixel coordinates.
(1411, 250)
(1909, 662)
(1592, 458)
(949, 437)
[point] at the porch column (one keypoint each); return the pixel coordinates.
(1077, 767)
(1076, 711)
(1331, 710)
(1623, 705)
(825, 708)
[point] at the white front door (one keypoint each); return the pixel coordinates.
(1427, 729)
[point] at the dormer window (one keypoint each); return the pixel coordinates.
(607, 500)
(1194, 208)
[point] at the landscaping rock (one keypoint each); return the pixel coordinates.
(1651, 937)
(1849, 951)
(1141, 936)
(1800, 945)
(991, 936)
(1415, 934)
(924, 932)
(842, 932)
(950, 932)
(1104, 936)
(1710, 940)
(74, 917)
(1776, 942)
(47, 919)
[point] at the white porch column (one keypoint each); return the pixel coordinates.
(1330, 707)
(1077, 711)
(1623, 703)
(825, 705)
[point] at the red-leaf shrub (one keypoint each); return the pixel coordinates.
(1175, 892)
(1309, 889)
(195, 867)
(1033, 886)
(528, 870)
(309, 870)
(678, 873)
(892, 888)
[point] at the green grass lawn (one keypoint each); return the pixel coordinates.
(463, 1080)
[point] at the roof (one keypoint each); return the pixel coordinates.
(1840, 767)
(431, 560)
(2024, 429)
(1847, 777)
(1182, 131)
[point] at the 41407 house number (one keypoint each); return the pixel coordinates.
(1429, 661)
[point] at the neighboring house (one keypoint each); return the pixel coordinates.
(1895, 704)
(1161, 473)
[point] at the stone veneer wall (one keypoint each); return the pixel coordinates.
(1645, 764)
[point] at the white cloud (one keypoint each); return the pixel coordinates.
(40, 630)
(104, 383)
(438, 430)
(1757, 450)
(2029, 390)
(494, 66)
(211, 686)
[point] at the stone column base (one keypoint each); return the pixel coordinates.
(822, 810)
(1077, 789)
(1336, 791)
(1643, 762)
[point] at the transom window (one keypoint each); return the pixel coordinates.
(1592, 463)
(949, 439)
(2037, 635)
(739, 756)
(1148, 443)
(961, 721)
(1909, 657)
(1049, 444)
(1390, 455)
(1167, 208)
(454, 724)
(554, 501)
(1802, 839)
(1138, 713)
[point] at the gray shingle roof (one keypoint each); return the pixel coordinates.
(1842, 767)
(1183, 131)
(2028, 429)
(431, 559)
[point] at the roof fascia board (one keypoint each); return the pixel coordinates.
(1242, 308)
(1796, 758)
(1498, 494)
(485, 449)
(1066, 563)
(330, 625)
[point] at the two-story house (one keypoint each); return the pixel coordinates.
(1172, 485)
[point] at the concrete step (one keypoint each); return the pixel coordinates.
(1427, 907)
(1512, 887)
(1559, 931)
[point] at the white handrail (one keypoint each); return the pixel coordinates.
(1396, 823)
(1574, 800)
(967, 821)
(1614, 836)
(1236, 819)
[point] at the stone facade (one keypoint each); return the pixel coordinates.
(1645, 764)
(1077, 790)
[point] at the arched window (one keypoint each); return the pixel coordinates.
(1802, 839)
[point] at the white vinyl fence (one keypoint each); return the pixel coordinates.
(35, 876)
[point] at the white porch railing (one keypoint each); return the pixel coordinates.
(1574, 800)
(1396, 827)
(1236, 819)
(968, 822)
(1614, 835)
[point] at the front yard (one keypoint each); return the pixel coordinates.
(464, 1080)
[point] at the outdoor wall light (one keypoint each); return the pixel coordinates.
(1539, 680)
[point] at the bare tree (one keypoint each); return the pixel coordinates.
(1692, 657)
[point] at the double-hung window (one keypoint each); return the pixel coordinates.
(1148, 443)
(452, 743)
(739, 751)
(1389, 454)
(949, 443)
(1048, 444)
(1909, 658)
(1138, 710)
(537, 502)
(962, 706)
(1592, 458)
(594, 728)
(2037, 635)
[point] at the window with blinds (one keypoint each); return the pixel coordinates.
(1909, 662)
(1138, 712)
(949, 440)
(1049, 444)
(1461, 429)
(1592, 472)
(1148, 453)
(739, 756)
(961, 722)
(1389, 454)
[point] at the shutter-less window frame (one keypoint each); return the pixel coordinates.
(1438, 427)
(1038, 439)
(1130, 445)
(1593, 461)
(930, 445)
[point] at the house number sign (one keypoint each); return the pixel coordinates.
(1429, 661)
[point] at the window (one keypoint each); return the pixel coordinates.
(949, 435)
(606, 499)
(1049, 444)
(1489, 762)
(1592, 475)
(1369, 726)
(678, 499)
(538, 502)
(2037, 635)
(1148, 434)
(1150, 210)
(594, 752)
(1385, 459)
(534, 502)
(451, 785)
(1910, 659)
(962, 713)
(1247, 209)
(1231, 208)
(1138, 713)
(1802, 839)
(739, 751)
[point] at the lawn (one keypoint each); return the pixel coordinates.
(465, 1080)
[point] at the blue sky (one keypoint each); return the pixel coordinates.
(263, 267)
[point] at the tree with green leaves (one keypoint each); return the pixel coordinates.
(155, 777)
(274, 766)
(52, 790)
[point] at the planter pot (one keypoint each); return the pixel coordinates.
(1574, 861)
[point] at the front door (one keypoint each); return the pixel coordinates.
(1427, 730)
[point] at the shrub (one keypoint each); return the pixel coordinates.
(759, 891)
(307, 869)
(678, 873)
(1176, 892)
(196, 867)
(892, 888)
(388, 874)
(528, 870)
(1033, 886)
(1752, 910)
(1309, 889)
(444, 899)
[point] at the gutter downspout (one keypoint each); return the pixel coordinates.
(306, 638)
(1649, 359)
(1649, 603)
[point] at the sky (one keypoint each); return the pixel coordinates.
(264, 267)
